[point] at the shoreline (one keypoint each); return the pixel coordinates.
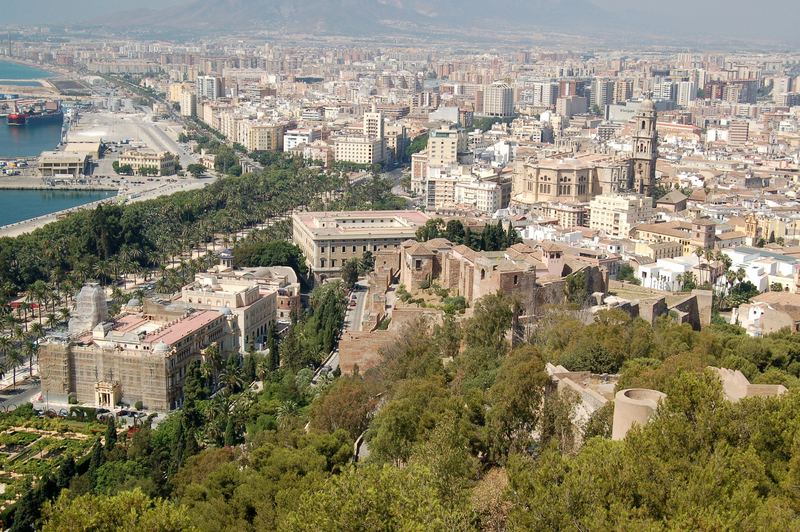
(23, 62)
(125, 196)
(68, 188)
(31, 224)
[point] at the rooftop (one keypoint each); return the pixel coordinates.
(179, 329)
(379, 223)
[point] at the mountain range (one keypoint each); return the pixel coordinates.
(369, 17)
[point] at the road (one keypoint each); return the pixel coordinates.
(352, 322)
(23, 393)
(354, 315)
(395, 176)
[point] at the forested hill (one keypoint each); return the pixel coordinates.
(481, 442)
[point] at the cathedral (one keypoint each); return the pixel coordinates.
(579, 177)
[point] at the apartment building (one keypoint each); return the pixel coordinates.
(498, 100)
(294, 137)
(163, 162)
(260, 136)
(616, 215)
(697, 234)
(188, 102)
(208, 87)
(484, 196)
(568, 106)
(738, 132)
(687, 93)
(373, 124)
(544, 93)
(358, 150)
(440, 190)
(329, 239)
(395, 140)
(443, 147)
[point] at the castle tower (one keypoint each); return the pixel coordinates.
(645, 149)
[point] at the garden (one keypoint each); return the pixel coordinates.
(31, 445)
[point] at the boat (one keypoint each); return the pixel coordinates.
(37, 113)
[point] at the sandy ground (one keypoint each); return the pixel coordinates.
(138, 128)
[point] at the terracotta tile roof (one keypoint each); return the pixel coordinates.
(181, 328)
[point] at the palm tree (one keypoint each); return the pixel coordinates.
(5, 346)
(31, 349)
(64, 314)
(37, 331)
(15, 358)
(214, 357)
(207, 372)
(24, 307)
(231, 378)
(262, 368)
(285, 410)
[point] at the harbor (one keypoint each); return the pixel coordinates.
(96, 129)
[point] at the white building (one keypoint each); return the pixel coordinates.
(208, 87)
(764, 268)
(498, 100)
(665, 274)
(687, 92)
(484, 196)
(616, 214)
(294, 137)
(188, 103)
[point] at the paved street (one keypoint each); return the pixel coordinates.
(23, 393)
(354, 315)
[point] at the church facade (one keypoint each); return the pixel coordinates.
(579, 178)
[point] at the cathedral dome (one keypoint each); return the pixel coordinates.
(647, 105)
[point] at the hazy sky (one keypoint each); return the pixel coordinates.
(68, 11)
(777, 20)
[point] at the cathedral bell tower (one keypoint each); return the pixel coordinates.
(645, 149)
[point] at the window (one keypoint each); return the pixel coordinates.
(344, 249)
(516, 279)
(333, 263)
(322, 249)
(483, 274)
(417, 264)
(354, 249)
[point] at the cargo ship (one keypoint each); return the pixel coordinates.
(36, 113)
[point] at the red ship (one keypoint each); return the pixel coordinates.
(37, 113)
